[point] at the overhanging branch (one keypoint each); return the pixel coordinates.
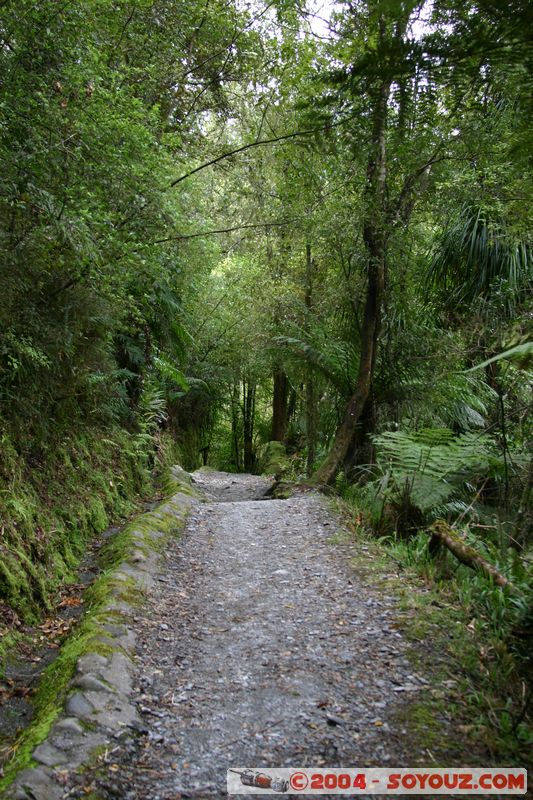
(184, 236)
(259, 143)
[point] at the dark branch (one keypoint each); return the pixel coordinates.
(258, 143)
(182, 237)
(241, 149)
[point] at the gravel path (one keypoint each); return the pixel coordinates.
(258, 647)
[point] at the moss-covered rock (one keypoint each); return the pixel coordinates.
(109, 603)
(50, 509)
(273, 460)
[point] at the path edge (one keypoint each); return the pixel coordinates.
(98, 710)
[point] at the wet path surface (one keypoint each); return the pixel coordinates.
(260, 646)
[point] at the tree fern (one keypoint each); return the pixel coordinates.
(452, 399)
(433, 466)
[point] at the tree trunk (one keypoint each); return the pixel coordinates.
(375, 238)
(362, 451)
(310, 390)
(235, 426)
(327, 472)
(248, 418)
(292, 402)
(525, 508)
(279, 405)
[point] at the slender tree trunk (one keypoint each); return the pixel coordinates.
(248, 417)
(310, 390)
(375, 239)
(525, 509)
(235, 426)
(280, 393)
(279, 405)
(292, 402)
(311, 426)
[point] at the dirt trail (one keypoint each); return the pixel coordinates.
(260, 646)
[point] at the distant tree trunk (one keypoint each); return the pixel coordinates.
(375, 238)
(279, 405)
(291, 404)
(235, 426)
(525, 509)
(310, 391)
(248, 419)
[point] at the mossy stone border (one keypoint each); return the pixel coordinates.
(97, 707)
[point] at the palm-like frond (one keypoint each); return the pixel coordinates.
(336, 361)
(476, 254)
(521, 354)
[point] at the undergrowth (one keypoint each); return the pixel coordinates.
(484, 632)
(52, 503)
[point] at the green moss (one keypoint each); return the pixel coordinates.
(49, 514)
(424, 722)
(273, 459)
(8, 643)
(51, 694)
(96, 757)
(341, 536)
(283, 491)
(94, 796)
(14, 583)
(98, 518)
(90, 636)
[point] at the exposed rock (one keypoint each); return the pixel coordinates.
(36, 784)
(68, 724)
(50, 756)
(119, 673)
(115, 630)
(91, 683)
(92, 662)
(78, 706)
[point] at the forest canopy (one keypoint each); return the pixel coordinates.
(266, 238)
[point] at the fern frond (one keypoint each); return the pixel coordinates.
(433, 465)
(522, 354)
(167, 370)
(334, 360)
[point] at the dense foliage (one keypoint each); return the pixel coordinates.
(225, 225)
(101, 105)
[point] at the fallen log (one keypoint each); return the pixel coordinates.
(444, 534)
